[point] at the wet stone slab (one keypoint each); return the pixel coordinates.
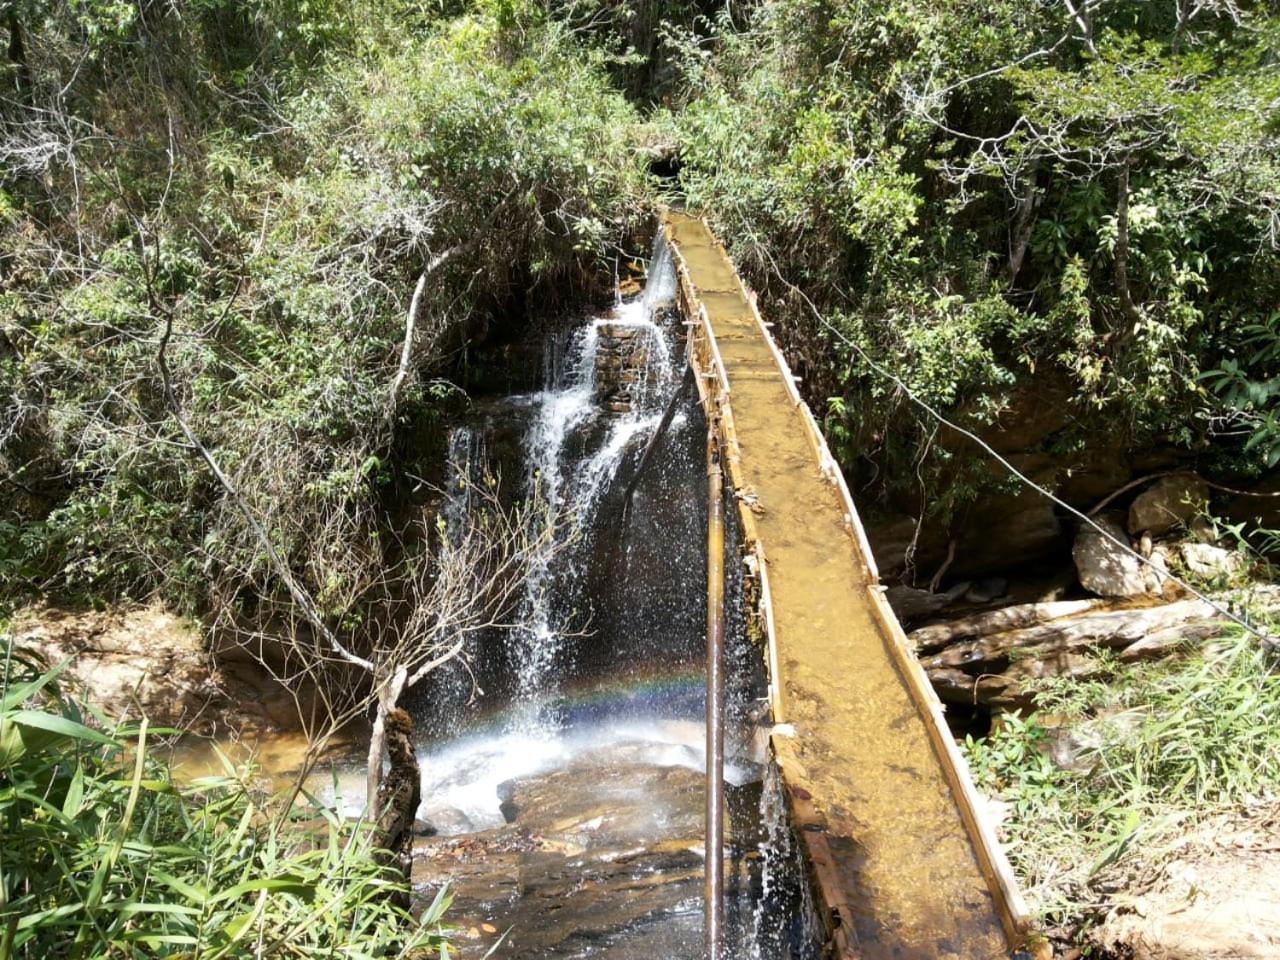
(597, 861)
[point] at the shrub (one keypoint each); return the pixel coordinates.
(104, 854)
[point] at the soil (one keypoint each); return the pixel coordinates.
(1215, 896)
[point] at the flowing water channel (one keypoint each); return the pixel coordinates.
(563, 757)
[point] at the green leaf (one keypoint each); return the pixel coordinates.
(1115, 849)
(294, 885)
(53, 723)
(191, 892)
(75, 793)
(129, 909)
(24, 691)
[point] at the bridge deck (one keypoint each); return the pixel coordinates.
(897, 847)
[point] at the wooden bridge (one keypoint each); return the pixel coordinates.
(904, 864)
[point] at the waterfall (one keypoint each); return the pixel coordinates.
(574, 449)
(583, 726)
(465, 459)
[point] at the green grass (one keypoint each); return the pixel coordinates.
(1164, 746)
(103, 854)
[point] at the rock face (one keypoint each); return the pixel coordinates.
(995, 534)
(1168, 503)
(621, 359)
(1107, 570)
(128, 662)
(147, 661)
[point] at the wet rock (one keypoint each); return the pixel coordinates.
(621, 361)
(1106, 569)
(615, 805)
(506, 801)
(1168, 503)
(603, 858)
(424, 828)
(450, 820)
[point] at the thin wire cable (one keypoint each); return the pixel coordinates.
(889, 375)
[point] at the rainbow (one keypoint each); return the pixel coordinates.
(672, 691)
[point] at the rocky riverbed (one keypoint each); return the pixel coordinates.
(601, 858)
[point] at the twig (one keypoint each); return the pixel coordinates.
(406, 349)
(937, 577)
(299, 594)
(1102, 504)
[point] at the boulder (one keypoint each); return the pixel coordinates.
(1107, 570)
(127, 661)
(1168, 503)
(1210, 562)
(601, 858)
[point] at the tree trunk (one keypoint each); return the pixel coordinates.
(1023, 224)
(388, 697)
(399, 796)
(1122, 248)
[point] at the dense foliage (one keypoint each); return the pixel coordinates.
(986, 196)
(989, 199)
(104, 854)
(248, 248)
(258, 190)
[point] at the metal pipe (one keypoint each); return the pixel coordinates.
(685, 383)
(713, 885)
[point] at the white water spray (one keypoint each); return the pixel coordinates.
(572, 461)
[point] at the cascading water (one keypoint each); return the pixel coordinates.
(579, 768)
(574, 450)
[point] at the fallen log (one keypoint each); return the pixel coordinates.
(992, 670)
(935, 637)
(1113, 629)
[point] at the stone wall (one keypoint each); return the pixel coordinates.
(621, 358)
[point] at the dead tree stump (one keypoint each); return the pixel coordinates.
(399, 794)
